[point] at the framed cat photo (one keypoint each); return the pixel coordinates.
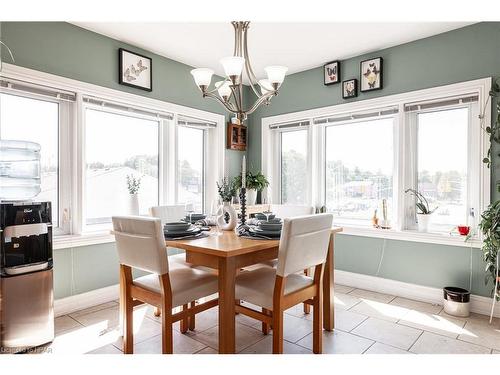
(349, 88)
(135, 70)
(331, 73)
(371, 74)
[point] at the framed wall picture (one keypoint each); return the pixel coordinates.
(331, 72)
(349, 88)
(370, 74)
(135, 70)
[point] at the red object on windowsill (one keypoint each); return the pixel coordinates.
(463, 230)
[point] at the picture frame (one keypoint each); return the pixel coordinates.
(135, 70)
(371, 74)
(349, 88)
(331, 73)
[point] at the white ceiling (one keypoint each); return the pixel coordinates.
(300, 46)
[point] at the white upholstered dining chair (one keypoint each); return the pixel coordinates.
(303, 244)
(168, 213)
(285, 211)
(141, 245)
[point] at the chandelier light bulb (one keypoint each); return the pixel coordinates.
(233, 65)
(265, 86)
(276, 74)
(224, 89)
(202, 76)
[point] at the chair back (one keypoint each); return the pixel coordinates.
(168, 213)
(285, 211)
(140, 243)
(304, 243)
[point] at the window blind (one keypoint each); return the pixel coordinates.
(356, 115)
(444, 102)
(104, 103)
(195, 122)
(14, 86)
(288, 125)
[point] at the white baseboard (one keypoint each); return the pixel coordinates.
(82, 301)
(478, 304)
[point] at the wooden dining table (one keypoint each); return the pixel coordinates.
(227, 253)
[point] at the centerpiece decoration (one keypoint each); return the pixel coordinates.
(133, 186)
(226, 192)
(255, 182)
(243, 191)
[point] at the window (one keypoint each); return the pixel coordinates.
(359, 161)
(442, 166)
(118, 145)
(190, 166)
(36, 120)
(293, 166)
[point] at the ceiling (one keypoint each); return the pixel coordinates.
(299, 46)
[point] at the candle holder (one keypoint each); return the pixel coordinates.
(243, 208)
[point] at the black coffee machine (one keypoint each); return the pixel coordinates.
(26, 279)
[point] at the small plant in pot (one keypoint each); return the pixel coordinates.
(423, 211)
(490, 228)
(229, 217)
(255, 182)
(133, 186)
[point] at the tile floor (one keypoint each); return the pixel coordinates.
(366, 322)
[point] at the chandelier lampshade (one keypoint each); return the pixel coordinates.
(229, 92)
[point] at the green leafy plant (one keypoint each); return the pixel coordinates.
(492, 130)
(226, 190)
(133, 184)
(421, 203)
(256, 181)
(490, 228)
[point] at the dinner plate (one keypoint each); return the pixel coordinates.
(177, 226)
(260, 216)
(190, 231)
(267, 233)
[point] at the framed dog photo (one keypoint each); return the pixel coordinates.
(350, 88)
(135, 70)
(331, 72)
(370, 74)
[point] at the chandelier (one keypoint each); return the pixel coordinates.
(229, 92)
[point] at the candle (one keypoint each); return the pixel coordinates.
(243, 173)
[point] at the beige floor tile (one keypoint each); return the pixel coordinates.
(65, 323)
(293, 328)
(144, 329)
(182, 345)
(495, 351)
(94, 308)
(430, 343)
(476, 319)
(107, 349)
(416, 305)
(388, 333)
(433, 323)
(245, 336)
(297, 311)
(372, 296)
(107, 317)
(481, 334)
(345, 301)
(379, 310)
(345, 320)
(339, 342)
(265, 346)
(338, 288)
(379, 348)
(207, 350)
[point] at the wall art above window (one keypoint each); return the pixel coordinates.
(135, 70)
(370, 74)
(331, 73)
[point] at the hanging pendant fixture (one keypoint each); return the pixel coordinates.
(229, 92)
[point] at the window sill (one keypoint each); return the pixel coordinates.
(413, 236)
(87, 239)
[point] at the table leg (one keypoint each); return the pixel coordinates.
(328, 301)
(227, 329)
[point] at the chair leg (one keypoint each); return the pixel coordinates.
(184, 322)
(157, 312)
(265, 327)
(318, 324)
(277, 332)
(126, 310)
(192, 319)
(307, 308)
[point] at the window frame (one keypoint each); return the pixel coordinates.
(478, 142)
(72, 153)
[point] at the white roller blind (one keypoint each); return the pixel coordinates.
(195, 122)
(103, 103)
(356, 115)
(443, 102)
(13, 86)
(289, 125)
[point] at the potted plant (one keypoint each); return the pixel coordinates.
(133, 185)
(228, 218)
(423, 210)
(490, 228)
(255, 182)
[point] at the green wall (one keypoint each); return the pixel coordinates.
(460, 55)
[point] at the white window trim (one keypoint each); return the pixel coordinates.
(76, 150)
(481, 87)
